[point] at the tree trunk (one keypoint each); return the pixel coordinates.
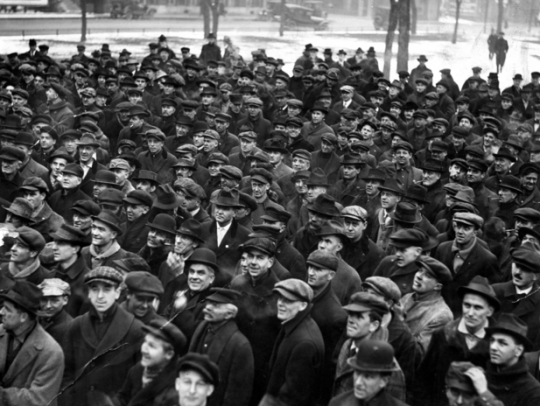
(205, 8)
(458, 7)
(500, 16)
(83, 20)
(215, 17)
(412, 24)
(390, 33)
(403, 41)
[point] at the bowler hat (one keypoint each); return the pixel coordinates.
(70, 234)
(24, 294)
(508, 323)
(144, 282)
(373, 356)
(24, 138)
(110, 219)
(167, 331)
(505, 153)
(391, 185)
(200, 363)
(324, 204)
(203, 256)
(320, 107)
(109, 196)
(510, 182)
(163, 222)
(192, 228)
(480, 286)
(294, 289)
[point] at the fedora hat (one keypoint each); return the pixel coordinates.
(203, 256)
(406, 213)
(88, 140)
(391, 185)
(24, 294)
(105, 177)
(432, 165)
(109, 218)
(417, 192)
(21, 208)
(324, 204)
(165, 223)
(480, 286)
(317, 178)
(166, 198)
(373, 356)
(512, 325)
(505, 153)
(376, 174)
(510, 182)
(148, 176)
(192, 228)
(228, 197)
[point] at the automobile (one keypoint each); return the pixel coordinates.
(380, 17)
(296, 16)
(131, 10)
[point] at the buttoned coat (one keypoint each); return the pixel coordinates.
(425, 316)
(232, 353)
(227, 252)
(527, 308)
(191, 316)
(102, 367)
(35, 375)
(479, 262)
(159, 163)
(296, 362)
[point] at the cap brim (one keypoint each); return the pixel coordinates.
(524, 340)
(356, 307)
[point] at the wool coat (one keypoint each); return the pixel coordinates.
(94, 365)
(135, 234)
(232, 353)
(480, 262)
(159, 163)
(35, 375)
(296, 362)
(364, 256)
(383, 398)
(514, 385)
(402, 276)
(78, 303)
(47, 221)
(62, 201)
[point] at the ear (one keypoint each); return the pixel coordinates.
(374, 326)
(303, 306)
(438, 286)
(272, 260)
(331, 275)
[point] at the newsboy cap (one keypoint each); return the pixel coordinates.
(323, 260)
(104, 274)
(30, 238)
(200, 363)
(145, 283)
(435, 268)
(294, 289)
(167, 331)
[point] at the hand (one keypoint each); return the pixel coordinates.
(176, 262)
(478, 379)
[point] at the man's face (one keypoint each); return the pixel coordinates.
(35, 197)
(350, 171)
(135, 121)
(258, 263)
(10, 167)
(253, 110)
(184, 244)
(489, 139)
(167, 110)
(288, 309)
(259, 189)
(316, 117)
(354, 229)
(12, 317)
(475, 175)
(200, 277)
(216, 312)
(402, 156)
(521, 278)
(424, 282)
(153, 353)
(192, 388)
(198, 140)
(81, 221)
(313, 192)
(476, 311)
(464, 232)
(506, 195)
(458, 142)
(102, 234)
(221, 125)
(504, 349)
(529, 181)
(275, 157)
(18, 100)
(52, 305)
(458, 397)
(86, 153)
(331, 244)
(316, 220)
(301, 186)
(139, 304)
(359, 325)
(224, 214)
(300, 164)
(102, 295)
(246, 145)
(368, 384)
(145, 185)
(154, 145)
(157, 238)
(327, 147)
(88, 100)
(406, 256)
(319, 277)
(430, 177)
(293, 131)
(46, 141)
(181, 130)
(389, 200)
(98, 188)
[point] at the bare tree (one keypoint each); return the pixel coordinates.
(413, 19)
(392, 25)
(205, 10)
(210, 11)
(282, 19)
(83, 20)
(404, 35)
(458, 8)
(500, 16)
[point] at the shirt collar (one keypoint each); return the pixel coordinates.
(481, 333)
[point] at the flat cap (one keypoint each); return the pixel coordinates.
(104, 274)
(526, 259)
(386, 287)
(323, 260)
(200, 363)
(273, 213)
(35, 183)
(294, 289)
(469, 218)
(527, 214)
(31, 238)
(74, 169)
(139, 197)
(302, 153)
(409, 237)
(261, 175)
(217, 157)
(9, 153)
(262, 244)
(456, 377)
(213, 134)
(86, 208)
(54, 287)
(222, 295)
(435, 268)
(144, 282)
(231, 172)
(167, 331)
(119, 163)
(131, 264)
(367, 302)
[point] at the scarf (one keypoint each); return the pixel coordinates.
(98, 259)
(26, 272)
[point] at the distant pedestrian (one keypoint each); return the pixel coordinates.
(491, 43)
(501, 48)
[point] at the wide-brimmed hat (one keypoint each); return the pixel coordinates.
(317, 178)
(228, 197)
(166, 198)
(192, 228)
(376, 174)
(510, 182)
(512, 325)
(418, 193)
(24, 294)
(163, 222)
(432, 165)
(391, 185)
(109, 218)
(480, 286)
(406, 213)
(88, 140)
(203, 256)
(324, 204)
(70, 234)
(21, 208)
(505, 153)
(373, 356)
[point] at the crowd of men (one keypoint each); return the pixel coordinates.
(200, 230)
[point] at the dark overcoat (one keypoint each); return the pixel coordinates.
(78, 303)
(364, 256)
(381, 399)
(402, 276)
(135, 234)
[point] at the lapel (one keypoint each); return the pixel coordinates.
(221, 340)
(471, 259)
(26, 355)
(227, 239)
